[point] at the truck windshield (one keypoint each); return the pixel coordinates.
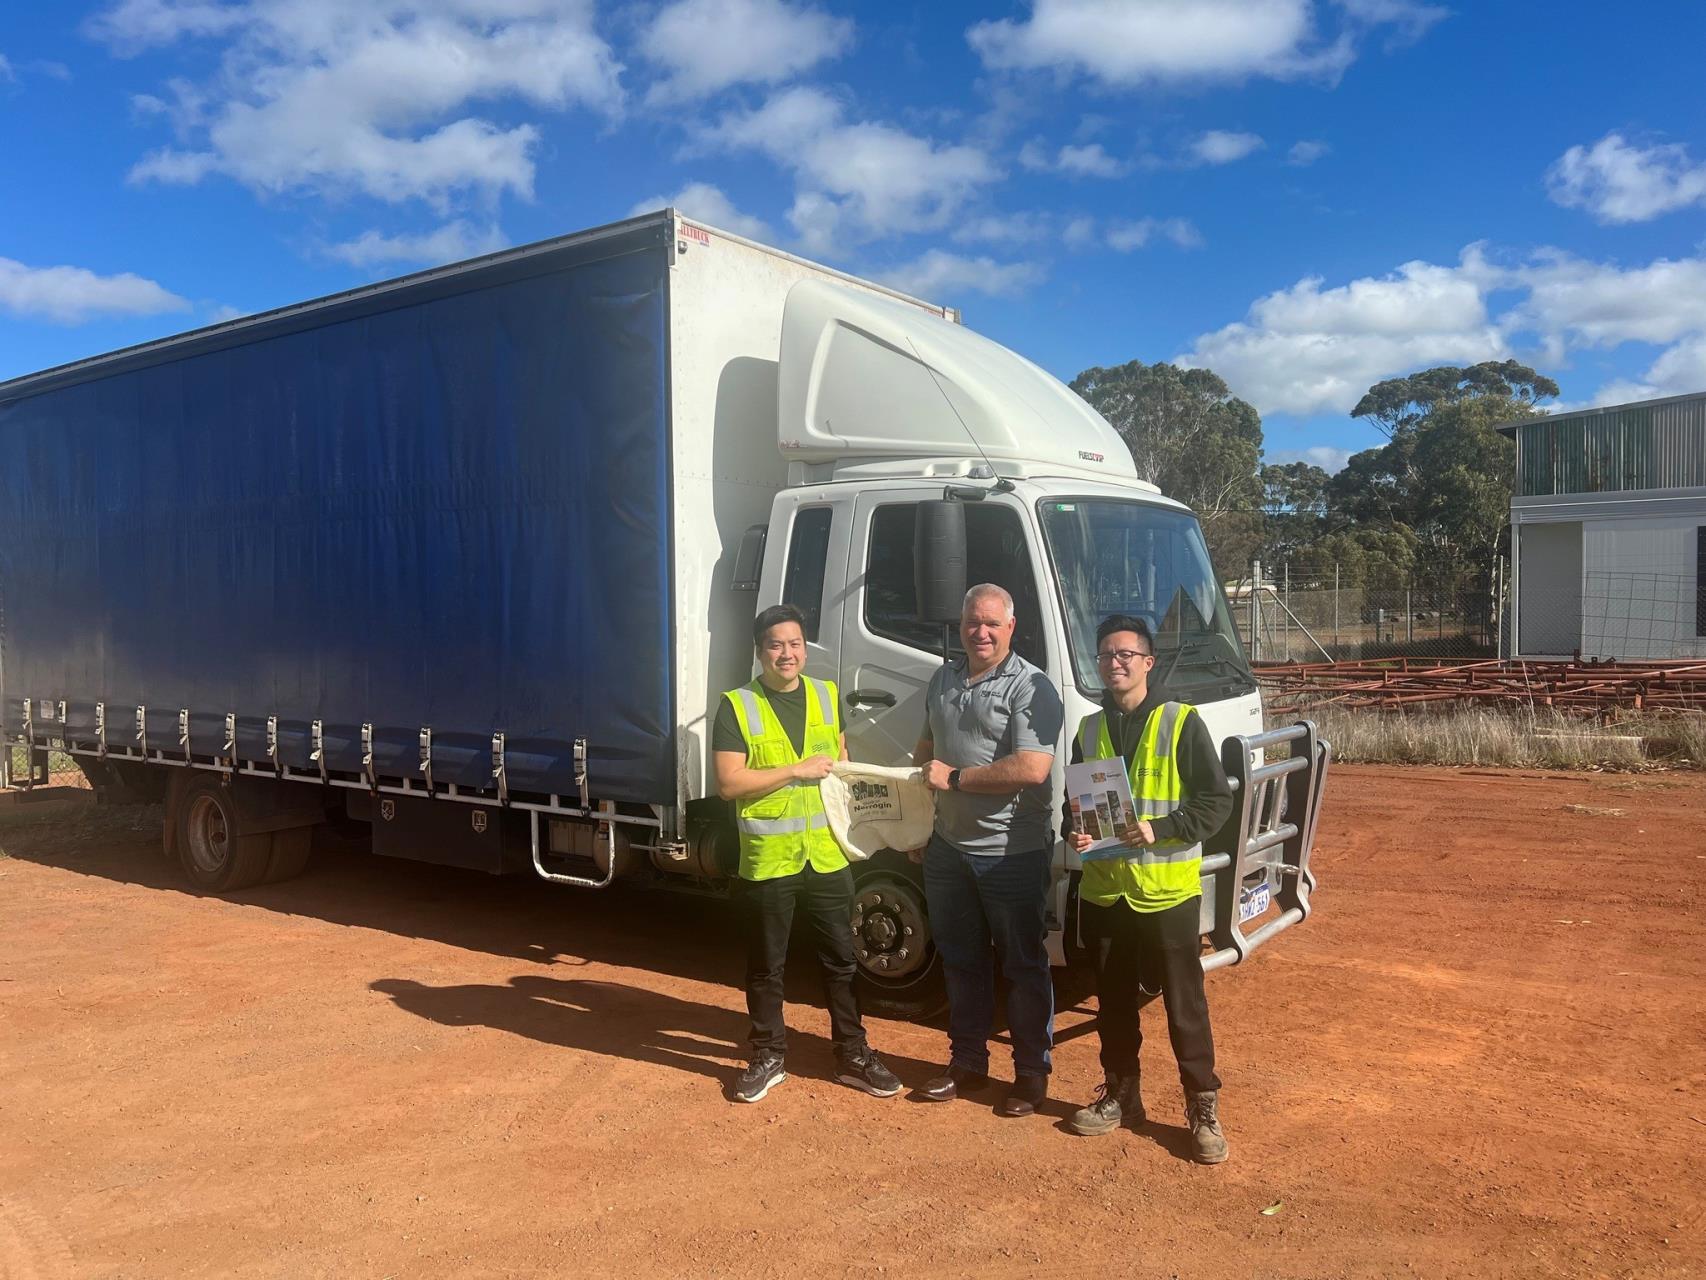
(1112, 556)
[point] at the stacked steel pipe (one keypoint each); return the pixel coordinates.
(1397, 682)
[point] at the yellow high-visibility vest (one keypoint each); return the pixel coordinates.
(781, 831)
(1160, 875)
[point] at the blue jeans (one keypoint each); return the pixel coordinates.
(980, 901)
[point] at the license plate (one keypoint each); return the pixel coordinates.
(1252, 902)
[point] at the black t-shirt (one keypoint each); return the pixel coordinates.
(790, 709)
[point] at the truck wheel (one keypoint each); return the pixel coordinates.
(900, 972)
(212, 849)
(290, 850)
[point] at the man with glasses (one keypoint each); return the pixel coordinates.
(1140, 900)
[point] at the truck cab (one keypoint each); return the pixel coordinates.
(885, 410)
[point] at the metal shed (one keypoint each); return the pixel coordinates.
(1608, 531)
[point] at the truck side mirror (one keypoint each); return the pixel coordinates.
(939, 561)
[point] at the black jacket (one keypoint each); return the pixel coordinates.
(1207, 799)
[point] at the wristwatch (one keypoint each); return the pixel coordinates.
(953, 779)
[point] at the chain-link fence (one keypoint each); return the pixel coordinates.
(48, 769)
(1315, 611)
(1308, 611)
(1652, 613)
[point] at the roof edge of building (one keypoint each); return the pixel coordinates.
(1509, 428)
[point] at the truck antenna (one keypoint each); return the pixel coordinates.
(1002, 484)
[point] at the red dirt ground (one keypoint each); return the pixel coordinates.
(1485, 1055)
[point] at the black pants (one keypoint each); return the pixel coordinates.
(768, 905)
(1165, 945)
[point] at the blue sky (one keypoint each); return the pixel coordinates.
(1304, 195)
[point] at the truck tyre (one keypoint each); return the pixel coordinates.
(290, 850)
(900, 970)
(215, 853)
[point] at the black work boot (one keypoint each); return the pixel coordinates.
(1208, 1143)
(1117, 1102)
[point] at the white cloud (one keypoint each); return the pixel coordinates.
(71, 295)
(708, 204)
(1329, 458)
(1574, 302)
(1218, 146)
(1306, 152)
(704, 46)
(132, 26)
(180, 167)
(938, 274)
(1680, 370)
(1309, 349)
(1617, 182)
(1088, 161)
(1080, 233)
(1123, 237)
(1410, 18)
(854, 181)
(1035, 157)
(1001, 228)
(1312, 349)
(452, 242)
(332, 98)
(6, 69)
(1125, 43)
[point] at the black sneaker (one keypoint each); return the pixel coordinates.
(761, 1075)
(866, 1071)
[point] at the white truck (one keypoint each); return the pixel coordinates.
(472, 556)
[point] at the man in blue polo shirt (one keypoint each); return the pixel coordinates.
(993, 723)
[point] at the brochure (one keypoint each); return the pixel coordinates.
(1101, 800)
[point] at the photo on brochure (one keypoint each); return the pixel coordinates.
(1102, 806)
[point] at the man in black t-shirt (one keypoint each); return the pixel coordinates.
(772, 742)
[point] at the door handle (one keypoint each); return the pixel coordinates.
(879, 697)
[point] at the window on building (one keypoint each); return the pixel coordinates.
(808, 556)
(1700, 581)
(996, 552)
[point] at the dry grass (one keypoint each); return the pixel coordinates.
(1518, 737)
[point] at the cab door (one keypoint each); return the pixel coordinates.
(887, 654)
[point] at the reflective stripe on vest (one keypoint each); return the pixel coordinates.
(782, 826)
(782, 830)
(1158, 875)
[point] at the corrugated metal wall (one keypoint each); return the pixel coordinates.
(1658, 446)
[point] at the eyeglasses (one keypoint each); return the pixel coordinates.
(1121, 656)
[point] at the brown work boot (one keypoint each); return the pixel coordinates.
(951, 1084)
(1208, 1143)
(1024, 1097)
(1117, 1102)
